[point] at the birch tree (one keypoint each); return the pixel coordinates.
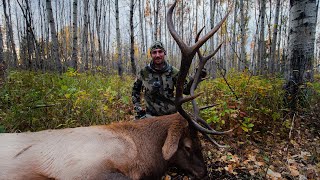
(98, 29)
(10, 35)
(85, 39)
(143, 48)
(302, 28)
(261, 43)
(2, 63)
(272, 60)
(213, 67)
(74, 58)
(156, 19)
(54, 37)
(133, 64)
(234, 34)
(120, 68)
(1, 49)
(243, 61)
(109, 30)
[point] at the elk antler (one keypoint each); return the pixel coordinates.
(187, 54)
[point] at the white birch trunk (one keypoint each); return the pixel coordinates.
(243, 56)
(74, 58)
(10, 35)
(261, 45)
(54, 37)
(133, 63)
(98, 30)
(2, 62)
(143, 49)
(272, 61)
(302, 28)
(120, 68)
(85, 39)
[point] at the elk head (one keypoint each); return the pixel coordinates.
(196, 123)
(189, 155)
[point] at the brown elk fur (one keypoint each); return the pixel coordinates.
(141, 149)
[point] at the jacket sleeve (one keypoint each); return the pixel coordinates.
(136, 94)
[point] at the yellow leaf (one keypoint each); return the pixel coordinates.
(67, 96)
(229, 168)
(293, 171)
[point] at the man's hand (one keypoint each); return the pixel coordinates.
(203, 73)
(141, 113)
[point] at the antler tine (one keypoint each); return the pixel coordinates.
(186, 57)
(196, 40)
(187, 54)
(203, 60)
(183, 46)
(199, 43)
(215, 142)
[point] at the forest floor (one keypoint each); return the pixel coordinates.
(268, 156)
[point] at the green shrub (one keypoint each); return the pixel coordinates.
(32, 101)
(247, 99)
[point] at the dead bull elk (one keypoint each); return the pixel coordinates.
(128, 150)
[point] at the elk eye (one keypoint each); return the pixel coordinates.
(188, 151)
(187, 146)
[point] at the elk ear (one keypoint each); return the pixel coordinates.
(172, 141)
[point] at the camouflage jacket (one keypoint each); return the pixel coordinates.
(158, 86)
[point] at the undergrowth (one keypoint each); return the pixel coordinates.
(31, 101)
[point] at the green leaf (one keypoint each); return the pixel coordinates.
(125, 99)
(67, 96)
(64, 87)
(2, 129)
(245, 129)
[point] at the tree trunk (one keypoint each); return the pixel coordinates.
(108, 41)
(2, 62)
(85, 50)
(213, 68)
(233, 50)
(302, 28)
(272, 60)
(133, 63)
(54, 36)
(74, 58)
(98, 30)
(261, 45)
(143, 49)
(10, 35)
(119, 53)
(243, 56)
(92, 46)
(156, 18)
(104, 31)
(182, 14)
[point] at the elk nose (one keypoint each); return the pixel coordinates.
(203, 174)
(200, 173)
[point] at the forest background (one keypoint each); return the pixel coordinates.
(72, 63)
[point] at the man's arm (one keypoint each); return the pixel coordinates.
(136, 98)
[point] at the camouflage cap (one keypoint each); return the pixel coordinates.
(157, 45)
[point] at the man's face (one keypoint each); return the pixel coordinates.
(157, 56)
